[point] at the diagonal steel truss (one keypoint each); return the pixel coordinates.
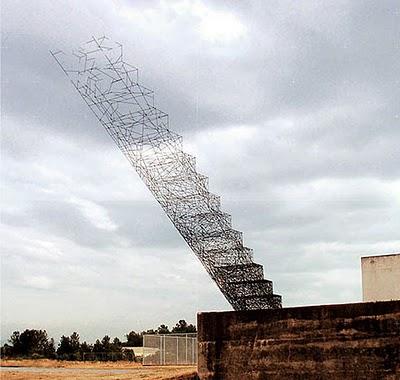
(125, 108)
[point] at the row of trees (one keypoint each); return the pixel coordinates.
(37, 344)
(30, 343)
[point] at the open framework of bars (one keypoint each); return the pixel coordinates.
(125, 108)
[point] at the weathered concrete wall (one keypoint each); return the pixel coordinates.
(350, 341)
(381, 277)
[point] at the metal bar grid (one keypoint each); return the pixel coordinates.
(125, 108)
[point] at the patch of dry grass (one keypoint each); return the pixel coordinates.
(61, 370)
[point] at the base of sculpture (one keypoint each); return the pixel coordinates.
(349, 341)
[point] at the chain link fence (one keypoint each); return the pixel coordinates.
(170, 349)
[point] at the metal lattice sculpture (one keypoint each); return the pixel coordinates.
(125, 108)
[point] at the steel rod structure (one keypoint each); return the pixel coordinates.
(125, 108)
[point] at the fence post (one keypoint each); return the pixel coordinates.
(192, 350)
(164, 349)
(177, 350)
(186, 349)
(160, 344)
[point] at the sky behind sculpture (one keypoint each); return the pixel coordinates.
(291, 110)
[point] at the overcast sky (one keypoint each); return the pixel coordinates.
(292, 109)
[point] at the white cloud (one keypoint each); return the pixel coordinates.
(211, 25)
(94, 213)
(218, 26)
(38, 282)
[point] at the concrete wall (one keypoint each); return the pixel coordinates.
(381, 277)
(350, 341)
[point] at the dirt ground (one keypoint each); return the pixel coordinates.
(63, 370)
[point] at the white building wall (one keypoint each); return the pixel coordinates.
(381, 277)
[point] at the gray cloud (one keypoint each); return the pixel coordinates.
(291, 109)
